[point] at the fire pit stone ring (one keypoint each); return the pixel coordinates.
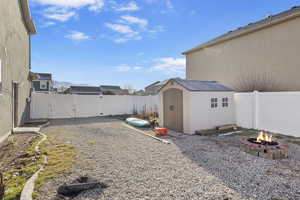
(273, 150)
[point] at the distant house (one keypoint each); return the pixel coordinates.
(112, 90)
(83, 90)
(263, 55)
(43, 83)
(140, 93)
(17, 27)
(123, 92)
(154, 88)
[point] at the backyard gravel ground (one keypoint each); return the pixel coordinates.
(134, 166)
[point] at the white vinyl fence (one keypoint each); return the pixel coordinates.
(273, 111)
(55, 106)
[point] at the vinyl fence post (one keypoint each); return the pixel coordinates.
(256, 110)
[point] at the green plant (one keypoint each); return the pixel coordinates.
(16, 178)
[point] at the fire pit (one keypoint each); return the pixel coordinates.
(264, 146)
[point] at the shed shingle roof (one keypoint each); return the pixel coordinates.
(252, 27)
(197, 85)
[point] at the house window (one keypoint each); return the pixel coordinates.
(225, 102)
(214, 102)
(43, 86)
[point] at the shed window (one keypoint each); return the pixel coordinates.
(225, 102)
(214, 102)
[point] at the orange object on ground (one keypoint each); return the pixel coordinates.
(161, 131)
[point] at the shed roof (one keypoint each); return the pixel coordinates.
(252, 27)
(197, 85)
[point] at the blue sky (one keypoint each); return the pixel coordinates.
(132, 42)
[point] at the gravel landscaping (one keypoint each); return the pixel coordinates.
(134, 166)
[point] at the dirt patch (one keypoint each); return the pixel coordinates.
(14, 147)
(18, 162)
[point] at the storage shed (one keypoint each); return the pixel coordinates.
(191, 105)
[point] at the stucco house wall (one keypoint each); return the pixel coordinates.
(271, 53)
(15, 63)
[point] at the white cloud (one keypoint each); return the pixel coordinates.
(170, 65)
(134, 20)
(93, 4)
(59, 14)
(125, 68)
(120, 28)
(167, 3)
(132, 6)
(77, 36)
(156, 29)
(64, 10)
(132, 28)
(137, 68)
(98, 5)
(47, 24)
(126, 32)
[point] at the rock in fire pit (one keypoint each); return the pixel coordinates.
(263, 146)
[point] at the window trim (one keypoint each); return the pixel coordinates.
(225, 102)
(213, 102)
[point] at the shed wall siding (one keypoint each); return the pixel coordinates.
(202, 116)
(15, 57)
(271, 53)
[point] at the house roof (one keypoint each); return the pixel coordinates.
(252, 27)
(29, 23)
(84, 89)
(153, 84)
(106, 88)
(196, 85)
(44, 76)
(155, 87)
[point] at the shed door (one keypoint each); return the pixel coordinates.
(173, 109)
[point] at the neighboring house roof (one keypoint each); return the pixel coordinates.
(84, 89)
(112, 88)
(195, 85)
(252, 27)
(44, 76)
(154, 88)
(29, 23)
(153, 84)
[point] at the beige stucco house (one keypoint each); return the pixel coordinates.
(260, 56)
(16, 27)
